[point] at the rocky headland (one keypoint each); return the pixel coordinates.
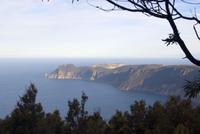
(153, 78)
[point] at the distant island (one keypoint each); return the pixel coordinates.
(153, 78)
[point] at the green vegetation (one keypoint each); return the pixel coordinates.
(192, 88)
(176, 116)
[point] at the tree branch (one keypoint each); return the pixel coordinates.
(163, 9)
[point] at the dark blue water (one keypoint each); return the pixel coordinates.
(17, 74)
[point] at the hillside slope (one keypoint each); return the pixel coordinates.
(165, 80)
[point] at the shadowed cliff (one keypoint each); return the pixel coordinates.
(155, 78)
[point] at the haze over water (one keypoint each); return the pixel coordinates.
(17, 74)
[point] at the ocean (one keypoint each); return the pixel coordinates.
(17, 74)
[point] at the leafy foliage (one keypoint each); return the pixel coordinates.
(192, 88)
(176, 116)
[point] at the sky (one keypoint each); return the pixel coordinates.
(60, 29)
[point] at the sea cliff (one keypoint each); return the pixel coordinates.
(154, 78)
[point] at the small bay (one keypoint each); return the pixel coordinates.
(17, 74)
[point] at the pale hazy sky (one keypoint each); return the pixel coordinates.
(30, 28)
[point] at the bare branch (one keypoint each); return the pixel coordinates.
(195, 30)
(99, 7)
(163, 9)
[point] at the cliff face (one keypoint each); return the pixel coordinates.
(167, 80)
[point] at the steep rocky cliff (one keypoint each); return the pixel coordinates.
(167, 80)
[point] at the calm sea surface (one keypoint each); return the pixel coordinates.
(17, 74)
